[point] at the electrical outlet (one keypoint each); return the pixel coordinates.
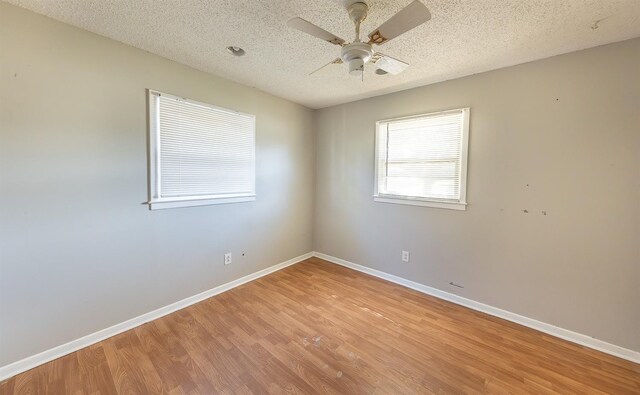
(405, 256)
(227, 258)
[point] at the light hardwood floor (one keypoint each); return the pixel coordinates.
(316, 327)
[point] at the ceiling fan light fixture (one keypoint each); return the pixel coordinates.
(355, 55)
(235, 51)
(356, 67)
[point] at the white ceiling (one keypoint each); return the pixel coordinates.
(463, 37)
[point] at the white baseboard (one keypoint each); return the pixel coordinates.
(578, 338)
(31, 362)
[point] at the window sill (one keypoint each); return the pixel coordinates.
(193, 202)
(422, 202)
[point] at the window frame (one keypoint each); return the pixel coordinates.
(156, 202)
(460, 204)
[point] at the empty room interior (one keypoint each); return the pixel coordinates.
(334, 196)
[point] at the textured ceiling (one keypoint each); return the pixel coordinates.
(463, 37)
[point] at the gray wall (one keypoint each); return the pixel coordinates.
(78, 250)
(560, 136)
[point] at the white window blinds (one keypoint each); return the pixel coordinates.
(423, 157)
(200, 151)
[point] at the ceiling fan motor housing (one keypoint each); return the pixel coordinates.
(355, 55)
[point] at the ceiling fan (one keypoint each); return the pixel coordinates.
(357, 53)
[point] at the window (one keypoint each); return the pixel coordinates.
(198, 153)
(422, 160)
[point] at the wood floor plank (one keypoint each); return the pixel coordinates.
(320, 328)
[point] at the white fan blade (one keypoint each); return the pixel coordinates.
(406, 19)
(334, 61)
(389, 64)
(310, 28)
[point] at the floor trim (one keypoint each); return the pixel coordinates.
(31, 362)
(565, 334)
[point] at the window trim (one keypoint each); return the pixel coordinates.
(156, 202)
(421, 201)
